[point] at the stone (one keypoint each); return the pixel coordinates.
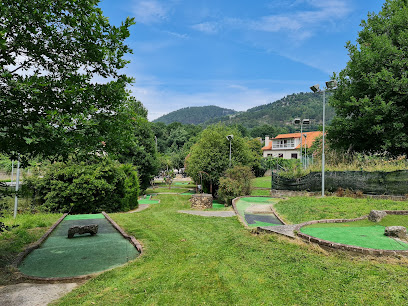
(376, 215)
(202, 201)
(396, 231)
(259, 209)
(91, 229)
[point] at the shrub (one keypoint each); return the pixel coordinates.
(104, 185)
(235, 183)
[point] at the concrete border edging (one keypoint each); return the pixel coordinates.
(340, 246)
(131, 239)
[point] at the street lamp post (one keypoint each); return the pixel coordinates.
(315, 88)
(230, 137)
(301, 122)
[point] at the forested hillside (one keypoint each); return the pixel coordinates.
(282, 112)
(195, 115)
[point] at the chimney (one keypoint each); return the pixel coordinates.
(266, 140)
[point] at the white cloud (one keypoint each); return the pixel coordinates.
(319, 12)
(207, 27)
(149, 11)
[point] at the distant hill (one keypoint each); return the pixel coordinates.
(195, 115)
(282, 112)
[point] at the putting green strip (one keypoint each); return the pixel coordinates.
(148, 201)
(84, 217)
(244, 203)
(367, 237)
(60, 256)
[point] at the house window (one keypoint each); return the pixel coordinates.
(280, 155)
(269, 155)
(294, 156)
(284, 143)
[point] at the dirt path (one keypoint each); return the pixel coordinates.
(31, 294)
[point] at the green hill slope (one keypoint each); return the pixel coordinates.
(195, 115)
(282, 112)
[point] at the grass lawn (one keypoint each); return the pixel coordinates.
(31, 228)
(262, 182)
(193, 260)
(301, 209)
(260, 192)
(166, 190)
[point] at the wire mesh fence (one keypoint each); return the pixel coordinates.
(391, 183)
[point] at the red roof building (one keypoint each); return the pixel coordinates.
(287, 146)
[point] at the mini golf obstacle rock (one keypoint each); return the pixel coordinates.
(376, 215)
(202, 201)
(91, 229)
(396, 231)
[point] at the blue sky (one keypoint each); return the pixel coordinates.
(234, 54)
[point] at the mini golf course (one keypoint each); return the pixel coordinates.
(363, 233)
(58, 256)
(148, 200)
(256, 211)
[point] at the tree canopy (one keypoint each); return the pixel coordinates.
(51, 54)
(211, 153)
(371, 101)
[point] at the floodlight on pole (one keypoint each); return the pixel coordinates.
(332, 84)
(301, 122)
(230, 137)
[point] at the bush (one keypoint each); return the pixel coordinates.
(235, 183)
(85, 188)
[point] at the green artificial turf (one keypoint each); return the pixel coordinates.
(362, 233)
(84, 217)
(84, 254)
(217, 204)
(148, 200)
(244, 203)
(366, 237)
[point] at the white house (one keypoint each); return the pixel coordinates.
(287, 146)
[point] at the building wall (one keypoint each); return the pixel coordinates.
(287, 154)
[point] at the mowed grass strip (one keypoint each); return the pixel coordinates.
(262, 182)
(191, 260)
(301, 209)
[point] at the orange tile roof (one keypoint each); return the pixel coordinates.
(310, 138)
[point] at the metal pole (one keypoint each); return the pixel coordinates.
(301, 143)
(230, 155)
(324, 119)
(17, 183)
(306, 158)
(12, 170)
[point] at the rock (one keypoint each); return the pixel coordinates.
(201, 201)
(376, 215)
(396, 231)
(91, 229)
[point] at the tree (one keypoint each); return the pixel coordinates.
(235, 183)
(139, 147)
(50, 54)
(371, 100)
(211, 153)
